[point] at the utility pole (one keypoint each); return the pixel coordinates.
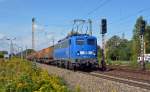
(142, 30)
(26, 52)
(53, 41)
(144, 47)
(11, 46)
(90, 26)
(21, 52)
(103, 32)
(33, 30)
(18, 51)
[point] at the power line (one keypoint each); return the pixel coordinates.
(125, 21)
(98, 7)
(132, 15)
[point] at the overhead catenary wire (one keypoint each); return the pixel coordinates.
(98, 7)
(131, 15)
(122, 19)
(125, 20)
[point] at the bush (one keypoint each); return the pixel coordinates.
(1, 55)
(22, 76)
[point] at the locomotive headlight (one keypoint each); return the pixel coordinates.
(82, 52)
(94, 52)
(78, 53)
(86, 52)
(91, 52)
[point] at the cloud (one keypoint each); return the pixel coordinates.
(39, 27)
(23, 41)
(3, 43)
(2, 36)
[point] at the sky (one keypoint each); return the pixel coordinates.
(54, 19)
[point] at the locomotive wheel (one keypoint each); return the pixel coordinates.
(74, 67)
(57, 63)
(63, 64)
(68, 65)
(89, 66)
(60, 64)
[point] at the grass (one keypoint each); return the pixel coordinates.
(148, 66)
(22, 76)
(130, 64)
(117, 62)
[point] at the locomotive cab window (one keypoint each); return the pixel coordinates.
(91, 42)
(79, 41)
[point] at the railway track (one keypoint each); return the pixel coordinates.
(125, 80)
(130, 82)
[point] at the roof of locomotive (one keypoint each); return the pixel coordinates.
(73, 35)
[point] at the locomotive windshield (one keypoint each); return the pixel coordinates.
(91, 42)
(79, 41)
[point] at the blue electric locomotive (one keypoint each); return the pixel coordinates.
(76, 51)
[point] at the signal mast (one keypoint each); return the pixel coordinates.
(103, 32)
(142, 30)
(33, 31)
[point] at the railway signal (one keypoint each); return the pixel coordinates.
(104, 26)
(142, 30)
(103, 32)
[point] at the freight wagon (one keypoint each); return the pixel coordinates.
(45, 55)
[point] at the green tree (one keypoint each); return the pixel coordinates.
(124, 50)
(1, 55)
(118, 48)
(111, 46)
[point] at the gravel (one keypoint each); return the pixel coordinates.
(88, 83)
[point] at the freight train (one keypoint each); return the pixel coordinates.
(74, 51)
